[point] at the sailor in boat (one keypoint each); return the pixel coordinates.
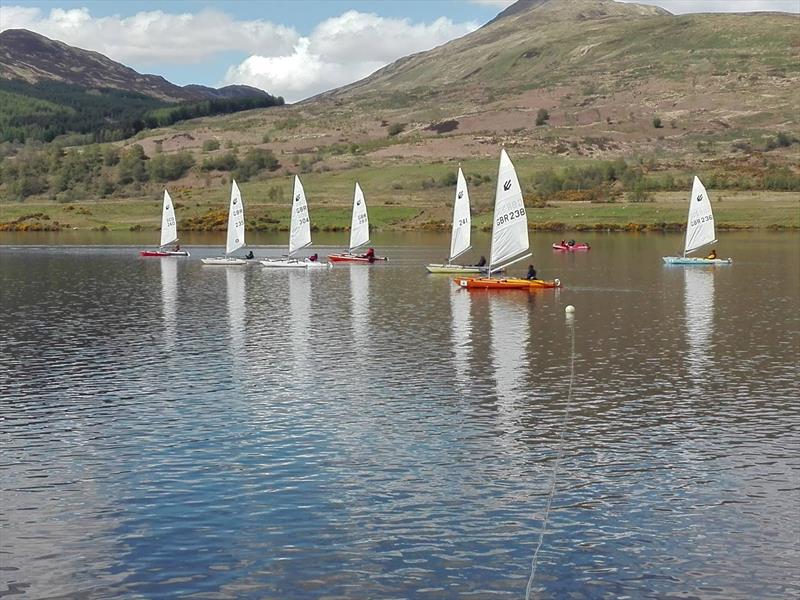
(314, 257)
(531, 273)
(250, 255)
(571, 243)
(176, 248)
(712, 255)
(481, 262)
(369, 255)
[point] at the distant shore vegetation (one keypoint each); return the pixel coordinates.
(48, 110)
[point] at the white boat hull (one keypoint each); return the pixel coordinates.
(439, 268)
(224, 261)
(293, 263)
(688, 260)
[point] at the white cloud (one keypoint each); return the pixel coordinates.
(341, 50)
(680, 7)
(153, 37)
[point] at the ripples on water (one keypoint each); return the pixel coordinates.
(170, 429)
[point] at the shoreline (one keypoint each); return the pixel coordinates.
(733, 211)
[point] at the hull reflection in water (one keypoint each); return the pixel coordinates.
(359, 298)
(699, 297)
(509, 335)
(461, 333)
(300, 313)
(235, 279)
(169, 299)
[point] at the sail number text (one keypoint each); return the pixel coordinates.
(699, 220)
(511, 215)
(238, 217)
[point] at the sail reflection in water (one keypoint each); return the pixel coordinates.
(300, 313)
(510, 331)
(461, 325)
(169, 299)
(699, 297)
(236, 307)
(359, 295)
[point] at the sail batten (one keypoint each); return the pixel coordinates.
(700, 223)
(510, 227)
(235, 238)
(169, 226)
(460, 236)
(359, 225)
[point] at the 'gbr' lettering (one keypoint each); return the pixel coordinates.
(512, 215)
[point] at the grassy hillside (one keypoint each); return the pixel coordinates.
(598, 102)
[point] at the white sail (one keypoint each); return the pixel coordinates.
(235, 221)
(359, 226)
(462, 221)
(300, 234)
(169, 227)
(510, 228)
(700, 226)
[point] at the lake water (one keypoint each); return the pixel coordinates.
(171, 429)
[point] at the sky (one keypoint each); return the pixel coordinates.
(290, 48)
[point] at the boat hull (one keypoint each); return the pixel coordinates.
(509, 283)
(354, 258)
(453, 269)
(163, 253)
(293, 263)
(224, 261)
(688, 260)
(574, 248)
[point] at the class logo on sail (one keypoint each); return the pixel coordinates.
(700, 198)
(297, 198)
(460, 194)
(507, 185)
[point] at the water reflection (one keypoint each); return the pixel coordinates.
(509, 335)
(461, 332)
(699, 297)
(236, 309)
(359, 298)
(300, 313)
(169, 299)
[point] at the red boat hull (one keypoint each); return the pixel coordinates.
(568, 248)
(354, 258)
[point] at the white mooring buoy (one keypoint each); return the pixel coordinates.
(570, 309)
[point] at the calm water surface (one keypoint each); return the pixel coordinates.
(170, 429)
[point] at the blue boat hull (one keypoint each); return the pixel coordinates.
(688, 260)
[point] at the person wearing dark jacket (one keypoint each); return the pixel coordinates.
(481, 262)
(531, 273)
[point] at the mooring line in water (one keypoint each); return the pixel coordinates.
(571, 322)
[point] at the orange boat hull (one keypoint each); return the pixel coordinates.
(492, 283)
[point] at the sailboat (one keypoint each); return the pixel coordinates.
(460, 234)
(169, 231)
(299, 233)
(509, 235)
(235, 238)
(699, 230)
(359, 233)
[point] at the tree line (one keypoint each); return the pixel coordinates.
(104, 170)
(47, 110)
